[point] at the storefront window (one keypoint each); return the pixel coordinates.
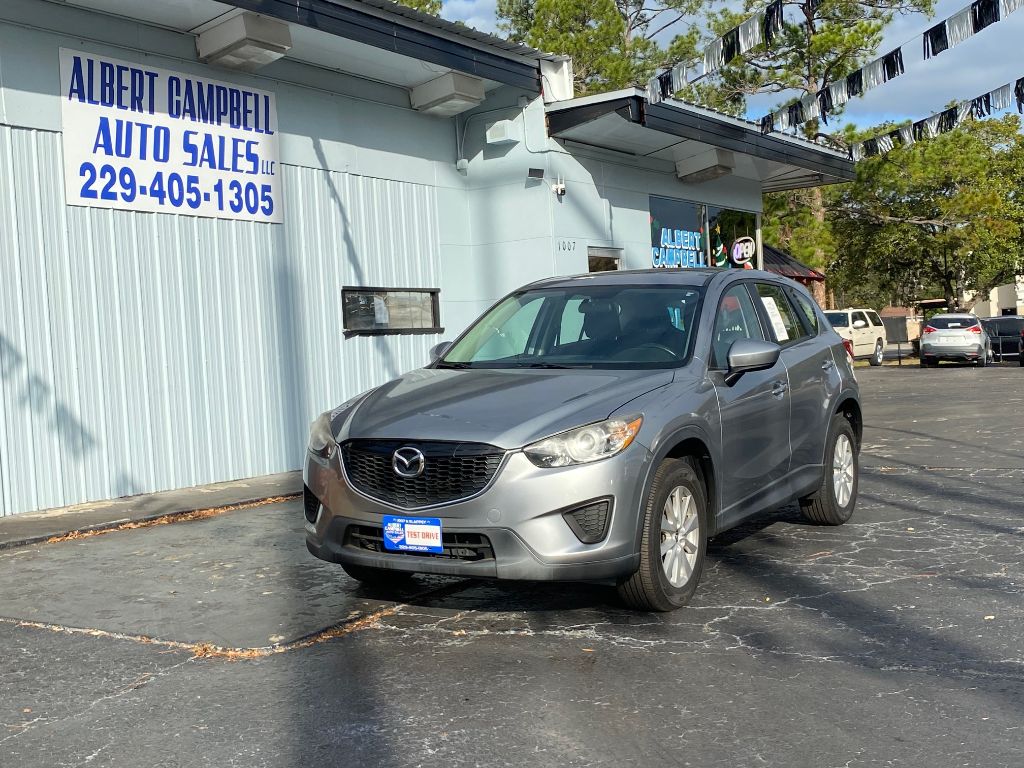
(677, 233)
(732, 237)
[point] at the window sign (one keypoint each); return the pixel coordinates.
(140, 138)
(677, 238)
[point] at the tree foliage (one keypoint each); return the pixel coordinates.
(943, 216)
(427, 6)
(828, 40)
(612, 42)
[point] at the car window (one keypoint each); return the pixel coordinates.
(781, 316)
(571, 327)
(860, 316)
(952, 323)
(510, 338)
(874, 318)
(807, 313)
(838, 319)
(736, 319)
(1004, 327)
(583, 325)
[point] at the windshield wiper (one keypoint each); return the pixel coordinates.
(452, 365)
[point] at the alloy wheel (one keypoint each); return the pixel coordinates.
(680, 536)
(842, 470)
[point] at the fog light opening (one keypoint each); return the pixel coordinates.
(589, 522)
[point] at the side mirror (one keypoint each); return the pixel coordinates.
(437, 351)
(746, 355)
(858, 324)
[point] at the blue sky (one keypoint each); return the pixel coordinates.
(989, 59)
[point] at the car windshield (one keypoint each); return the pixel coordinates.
(952, 323)
(838, 319)
(583, 326)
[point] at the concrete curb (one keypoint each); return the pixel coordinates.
(37, 527)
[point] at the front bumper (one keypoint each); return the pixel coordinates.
(952, 352)
(519, 513)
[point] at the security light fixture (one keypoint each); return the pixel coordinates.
(447, 95)
(244, 42)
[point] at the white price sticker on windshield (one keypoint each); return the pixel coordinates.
(776, 317)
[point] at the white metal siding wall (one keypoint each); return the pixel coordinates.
(141, 352)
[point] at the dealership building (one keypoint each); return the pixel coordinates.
(218, 219)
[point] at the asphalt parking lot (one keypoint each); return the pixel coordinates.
(893, 640)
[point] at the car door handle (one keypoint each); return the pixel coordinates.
(779, 388)
(826, 365)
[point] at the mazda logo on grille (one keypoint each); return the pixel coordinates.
(408, 462)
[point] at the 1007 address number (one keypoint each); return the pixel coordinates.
(109, 183)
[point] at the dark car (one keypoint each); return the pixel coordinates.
(1007, 336)
(600, 427)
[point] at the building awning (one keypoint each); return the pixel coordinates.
(685, 134)
(376, 40)
(781, 263)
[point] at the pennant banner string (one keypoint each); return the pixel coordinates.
(947, 34)
(942, 122)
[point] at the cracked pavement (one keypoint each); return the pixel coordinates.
(893, 640)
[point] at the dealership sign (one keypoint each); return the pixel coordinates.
(145, 139)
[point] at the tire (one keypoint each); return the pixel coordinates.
(823, 507)
(878, 355)
(677, 488)
(983, 360)
(377, 577)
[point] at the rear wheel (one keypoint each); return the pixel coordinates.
(674, 541)
(878, 355)
(983, 360)
(833, 502)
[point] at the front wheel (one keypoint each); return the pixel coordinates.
(833, 502)
(878, 355)
(674, 540)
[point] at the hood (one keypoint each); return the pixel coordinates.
(508, 408)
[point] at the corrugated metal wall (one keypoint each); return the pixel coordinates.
(141, 352)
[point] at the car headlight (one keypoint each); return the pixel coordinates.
(585, 444)
(321, 441)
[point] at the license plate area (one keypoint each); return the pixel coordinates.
(413, 534)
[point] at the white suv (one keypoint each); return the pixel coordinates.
(863, 329)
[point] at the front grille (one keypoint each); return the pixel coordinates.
(589, 523)
(451, 471)
(310, 504)
(469, 547)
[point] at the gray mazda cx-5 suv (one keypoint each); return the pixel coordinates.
(593, 428)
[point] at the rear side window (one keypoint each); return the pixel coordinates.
(807, 313)
(952, 323)
(875, 319)
(781, 316)
(838, 319)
